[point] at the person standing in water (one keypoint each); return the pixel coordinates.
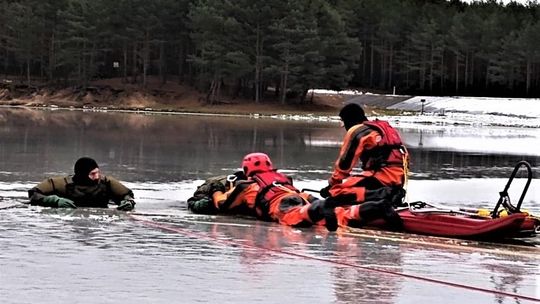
(86, 188)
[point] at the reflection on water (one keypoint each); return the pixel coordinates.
(429, 164)
(470, 151)
(163, 148)
(104, 256)
(146, 147)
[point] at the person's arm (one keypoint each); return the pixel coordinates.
(240, 197)
(201, 201)
(219, 200)
(49, 193)
(36, 196)
(121, 195)
(355, 142)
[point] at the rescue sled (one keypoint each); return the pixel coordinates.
(504, 221)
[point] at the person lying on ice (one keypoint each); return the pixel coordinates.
(87, 188)
(378, 148)
(265, 194)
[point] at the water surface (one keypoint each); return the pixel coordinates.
(106, 256)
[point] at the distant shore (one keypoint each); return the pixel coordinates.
(170, 97)
(112, 94)
(173, 98)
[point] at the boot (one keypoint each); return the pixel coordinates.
(392, 218)
(315, 211)
(323, 209)
(397, 196)
(330, 218)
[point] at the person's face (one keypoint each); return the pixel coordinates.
(94, 174)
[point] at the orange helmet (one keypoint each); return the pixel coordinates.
(256, 162)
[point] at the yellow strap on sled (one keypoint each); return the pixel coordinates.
(405, 156)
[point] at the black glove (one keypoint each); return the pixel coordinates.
(216, 186)
(126, 205)
(325, 192)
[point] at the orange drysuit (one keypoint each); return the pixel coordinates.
(383, 163)
(280, 203)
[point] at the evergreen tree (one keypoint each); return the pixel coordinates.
(77, 40)
(21, 37)
(528, 46)
(218, 40)
(249, 48)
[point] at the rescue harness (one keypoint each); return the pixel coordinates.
(389, 151)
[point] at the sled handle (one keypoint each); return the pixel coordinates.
(504, 194)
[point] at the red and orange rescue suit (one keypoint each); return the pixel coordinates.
(270, 196)
(383, 159)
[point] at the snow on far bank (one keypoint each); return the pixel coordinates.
(462, 110)
(463, 119)
(519, 107)
(518, 113)
(451, 111)
(346, 92)
(331, 92)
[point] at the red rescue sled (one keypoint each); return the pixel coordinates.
(464, 226)
(505, 221)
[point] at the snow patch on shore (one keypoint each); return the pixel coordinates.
(473, 111)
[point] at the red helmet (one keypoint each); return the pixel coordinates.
(256, 162)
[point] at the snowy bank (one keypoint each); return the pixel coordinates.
(475, 111)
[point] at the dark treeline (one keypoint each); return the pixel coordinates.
(277, 48)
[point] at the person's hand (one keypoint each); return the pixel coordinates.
(325, 192)
(56, 201)
(66, 203)
(126, 205)
(202, 206)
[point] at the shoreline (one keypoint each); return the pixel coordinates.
(324, 107)
(173, 98)
(409, 119)
(149, 111)
(113, 94)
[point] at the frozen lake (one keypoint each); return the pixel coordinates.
(169, 255)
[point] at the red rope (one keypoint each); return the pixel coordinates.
(188, 232)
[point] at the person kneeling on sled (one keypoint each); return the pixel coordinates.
(87, 188)
(270, 195)
(379, 187)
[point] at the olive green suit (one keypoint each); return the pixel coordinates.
(97, 195)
